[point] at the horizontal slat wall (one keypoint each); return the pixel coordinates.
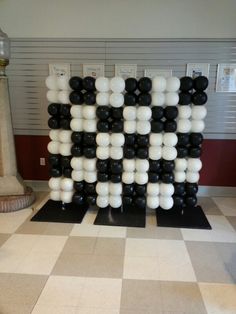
(29, 67)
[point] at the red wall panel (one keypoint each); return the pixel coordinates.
(219, 160)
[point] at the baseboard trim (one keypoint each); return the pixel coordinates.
(204, 190)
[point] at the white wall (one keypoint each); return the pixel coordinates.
(119, 18)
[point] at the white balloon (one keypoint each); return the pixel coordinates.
(153, 202)
(102, 84)
(67, 184)
(172, 84)
(76, 125)
(153, 189)
(76, 111)
(172, 99)
(117, 100)
(184, 112)
(90, 125)
(103, 99)
(55, 195)
(155, 139)
(129, 165)
(77, 175)
(65, 136)
(65, 149)
(66, 196)
(180, 164)
(90, 176)
(180, 176)
(143, 127)
(63, 82)
(115, 201)
(158, 84)
(52, 96)
(199, 112)
(117, 84)
(51, 82)
(158, 99)
(89, 164)
(192, 177)
(54, 183)
(116, 152)
(183, 126)
(142, 165)
(102, 201)
(128, 177)
(115, 188)
(141, 177)
(155, 152)
(54, 135)
(103, 139)
(197, 126)
(102, 188)
(89, 112)
(144, 113)
(166, 189)
(130, 127)
(194, 164)
(169, 153)
(166, 202)
(77, 163)
(103, 152)
(130, 113)
(53, 147)
(64, 97)
(117, 139)
(170, 139)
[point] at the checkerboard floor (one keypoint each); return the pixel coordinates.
(69, 268)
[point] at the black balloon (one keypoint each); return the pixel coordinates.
(89, 84)
(129, 152)
(65, 161)
(76, 98)
(186, 83)
(140, 189)
(196, 139)
(90, 98)
(102, 165)
(65, 110)
(179, 188)
(144, 99)
(168, 165)
(127, 200)
(54, 109)
(55, 172)
(128, 189)
(91, 199)
(140, 201)
(167, 177)
(200, 83)
(79, 186)
(157, 112)
(130, 139)
(67, 172)
(195, 151)
(145, 84)
(89, 139)
(103, 126)
(154, 166)
(131, 84)
(116, 166)
(191, 189)
(142, 140)
(191, 201)
(54, 123)
(65, 123)
(77, 137)
(153, 177)
(182, 151)
(76, 83)
(117, 113)
(171, 112)
(185, 98)
(103, 112)
(142, 152)
(102, 177)
(54, 159)
(90, 188)
(170, 126)
(115, 178)
(178, 201)
(199, 98)
(157, 126)
(78, 199)
(130, 99)
(76, 150)
(117, 126)
(183, 139)
(90, 151)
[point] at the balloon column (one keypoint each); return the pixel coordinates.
(121, 142)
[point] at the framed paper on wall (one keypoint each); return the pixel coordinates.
(226, 78)
(157, 72)
(198, 69)
(126, 70)
(94, 70)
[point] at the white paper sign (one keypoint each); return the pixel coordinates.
(126, 70)
(226, 78)
(59, 69)
(151, 73)
(94, 70)
(198, 69)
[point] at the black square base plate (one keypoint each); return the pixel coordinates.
(53, 211)
(189, 217)
(126, 216)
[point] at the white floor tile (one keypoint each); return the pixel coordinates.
(10, 222)
(49, 309)
(146, 268)
(79, 310)
(226, 204)
(51, 244)
(141, 247)
(85, 230)
(112, 232)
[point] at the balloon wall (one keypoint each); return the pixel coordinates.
(120, 142)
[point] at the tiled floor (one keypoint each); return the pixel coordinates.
(87, 269)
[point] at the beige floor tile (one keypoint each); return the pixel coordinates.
(141, 247)
(226, 204)
(112, 232)
(174, 261)
(182, 297)
(87, 310)
(89, 217)
(32, 227)
(146, 268)
(12, 308)
(209, 206)
(151, 220)
(21, 289)
(85, 230)
(60, 229)
(219, 298)
(101, 293)
(232, 221)
(10, 222)
(62, 291)
(80, 245)
(53, 309)
(155, 232)
(50, 244)
(110, 246)
(4, 237)
(141, 296)
(106, 266)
